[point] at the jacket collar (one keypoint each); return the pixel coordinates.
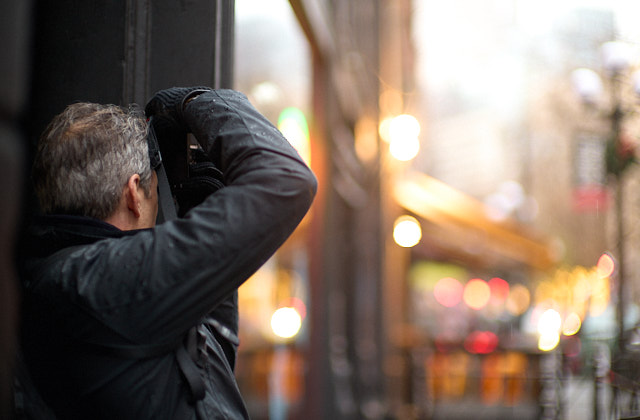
(51, 233)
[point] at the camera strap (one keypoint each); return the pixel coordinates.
(166, 205)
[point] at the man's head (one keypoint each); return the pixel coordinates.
(88, 159)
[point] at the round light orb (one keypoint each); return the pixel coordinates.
(286, 322)
(404, 148)
(587, 84)
(404, 125)
(407, 231)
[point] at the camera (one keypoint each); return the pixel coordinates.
(186, 175)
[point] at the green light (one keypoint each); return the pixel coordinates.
(293, 125)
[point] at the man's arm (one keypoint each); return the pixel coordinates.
(193, 264)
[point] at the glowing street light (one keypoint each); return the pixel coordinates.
(406, 231)
(401, 132)
(549, 327)
(404, 125)
(286, 322)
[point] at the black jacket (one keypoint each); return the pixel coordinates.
(105, 310)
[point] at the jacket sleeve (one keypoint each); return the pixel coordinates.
(184, 268)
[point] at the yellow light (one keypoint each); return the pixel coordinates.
(571, 324)
(286, 322)
(548, 342)
(476, 293)
(383, 129)
(518, 300)
(407, 231)
(600, 296)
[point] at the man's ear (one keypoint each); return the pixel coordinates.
(133, 200)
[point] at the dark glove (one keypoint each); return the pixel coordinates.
(166, 105)
(171, 131)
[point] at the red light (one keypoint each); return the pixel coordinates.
(299, 306)
(481, 342)
(499, 290)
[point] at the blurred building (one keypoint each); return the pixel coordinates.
(495, 190)
(371, 321)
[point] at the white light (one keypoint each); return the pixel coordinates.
(616, 56)
(407, 231)
(550, 322)
(404, 125)
(404, 149)
(286, 322)
(587, 84)
(266, 93)
(403, 131)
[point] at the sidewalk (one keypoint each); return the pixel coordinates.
(476, 411)
(578, 399)
(577, 394)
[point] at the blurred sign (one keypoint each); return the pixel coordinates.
(590, 192)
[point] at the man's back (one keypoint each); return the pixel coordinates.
(143, 323)
(75, 338)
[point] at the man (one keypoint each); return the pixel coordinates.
(124, 320)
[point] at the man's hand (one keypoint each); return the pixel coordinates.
(167, 105)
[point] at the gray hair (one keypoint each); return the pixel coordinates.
(86, 156)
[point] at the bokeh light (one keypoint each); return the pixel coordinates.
(293, 125)
(518, 300)
(402, 132)
(572, 324)
(481, 342)
(286, 322)
(476, 293)
(407, 231)
(499, 290)
(549, 322)
(606, 265)
(549, 326)
(404, 126)
(548, 342)
(299, 306)
(404, 149)
(448, 292)
(600, 296)
(383, 129)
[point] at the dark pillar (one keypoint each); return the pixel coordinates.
(122, 51)
(15, 27)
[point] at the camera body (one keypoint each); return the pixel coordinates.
(186, 175)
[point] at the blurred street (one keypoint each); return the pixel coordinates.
(578, 405)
